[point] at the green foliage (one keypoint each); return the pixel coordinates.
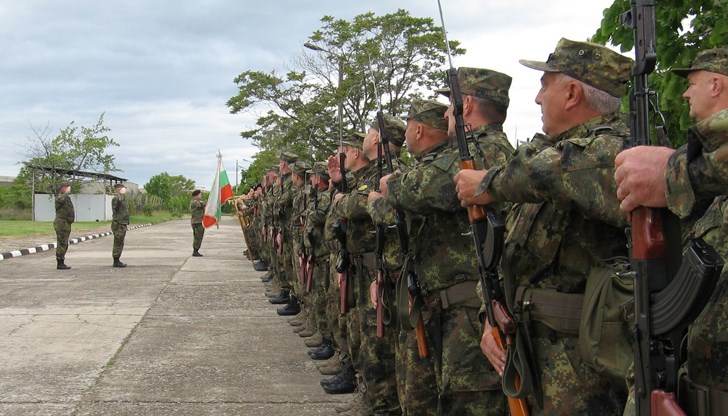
(683, 29)
(16, 196)
(166, 186)
(74, 148)
(398, 53)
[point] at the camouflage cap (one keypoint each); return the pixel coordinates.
(395, 129)
(273, 168)
(288, 157)
(483, 83)
(355, 139)
(300, 168)
(712, 60)
(592, 64)
(428, 112)
(119, 185)
(321, 169)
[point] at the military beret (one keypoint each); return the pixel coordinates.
(428, 112)
(355, 139)
(288, 157)
(712, 60)
(300, 168)
(482, 83)
(395, 129)
(592, 64)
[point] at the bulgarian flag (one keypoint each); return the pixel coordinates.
(220, 192)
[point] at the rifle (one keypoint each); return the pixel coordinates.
(664, 307)
(342, 264)
(309, 233)
(487, 229)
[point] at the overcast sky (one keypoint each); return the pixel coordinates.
(162, 70)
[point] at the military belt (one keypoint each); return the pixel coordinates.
(461, 294)
(699, 400)
(560, 312)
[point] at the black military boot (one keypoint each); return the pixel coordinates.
(293, 308)
(282, 298)
(260, 266)
(61, 265)
(196, 253)
(343, 383)
(323, 352)
(118, 263)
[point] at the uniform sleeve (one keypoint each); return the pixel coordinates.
(423, 189)
(698, 171)
(576, 172)
(353, 205)
(381, 211)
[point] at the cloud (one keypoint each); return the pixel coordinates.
(162, 70)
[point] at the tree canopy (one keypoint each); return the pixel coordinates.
(74, 148)
(683, 29)
(397, 52)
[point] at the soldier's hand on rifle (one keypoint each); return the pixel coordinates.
(383, 186)
(373, 294)
(640, 177)
(491, 350)
(466, 183)
(374, 195)
(279, 239)
(338, 196)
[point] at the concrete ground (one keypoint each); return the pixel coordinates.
(169, 334)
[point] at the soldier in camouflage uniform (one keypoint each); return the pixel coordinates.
(119, 223)
(197, 209)
(566, 227)
(283, 208)
(314, 244)
(687, 181)
(416, 383)
(301, 200)
(376, 354)
(444, 262)
(65, 215)
(345, 381)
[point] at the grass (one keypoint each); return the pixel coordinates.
(24, 228)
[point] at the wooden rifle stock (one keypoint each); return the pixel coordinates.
(380, 303)
(310, 264)
(517, 407)
(421, 339)
(343, 292)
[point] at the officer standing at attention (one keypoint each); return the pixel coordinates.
(119, 222)
(197, 208)
(566, 228)
(688, 180)
(65, 215)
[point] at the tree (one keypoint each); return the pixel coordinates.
(75, 148)
(684, 28)
(400, 53)
(173, 191)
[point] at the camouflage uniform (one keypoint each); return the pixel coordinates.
(565, 226)
(197, 208)
(315, 245)
(445, 263)
(283, 208)
(299, 205)
(376, 355)
(696, 174)
(119, 223)
(65, 215)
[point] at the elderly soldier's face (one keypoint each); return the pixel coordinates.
(552, 97)
(370, 140)
(410, 136)
(699, 94)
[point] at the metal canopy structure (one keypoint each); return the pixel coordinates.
(78, 173)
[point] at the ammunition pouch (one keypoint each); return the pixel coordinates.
(699, 400)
